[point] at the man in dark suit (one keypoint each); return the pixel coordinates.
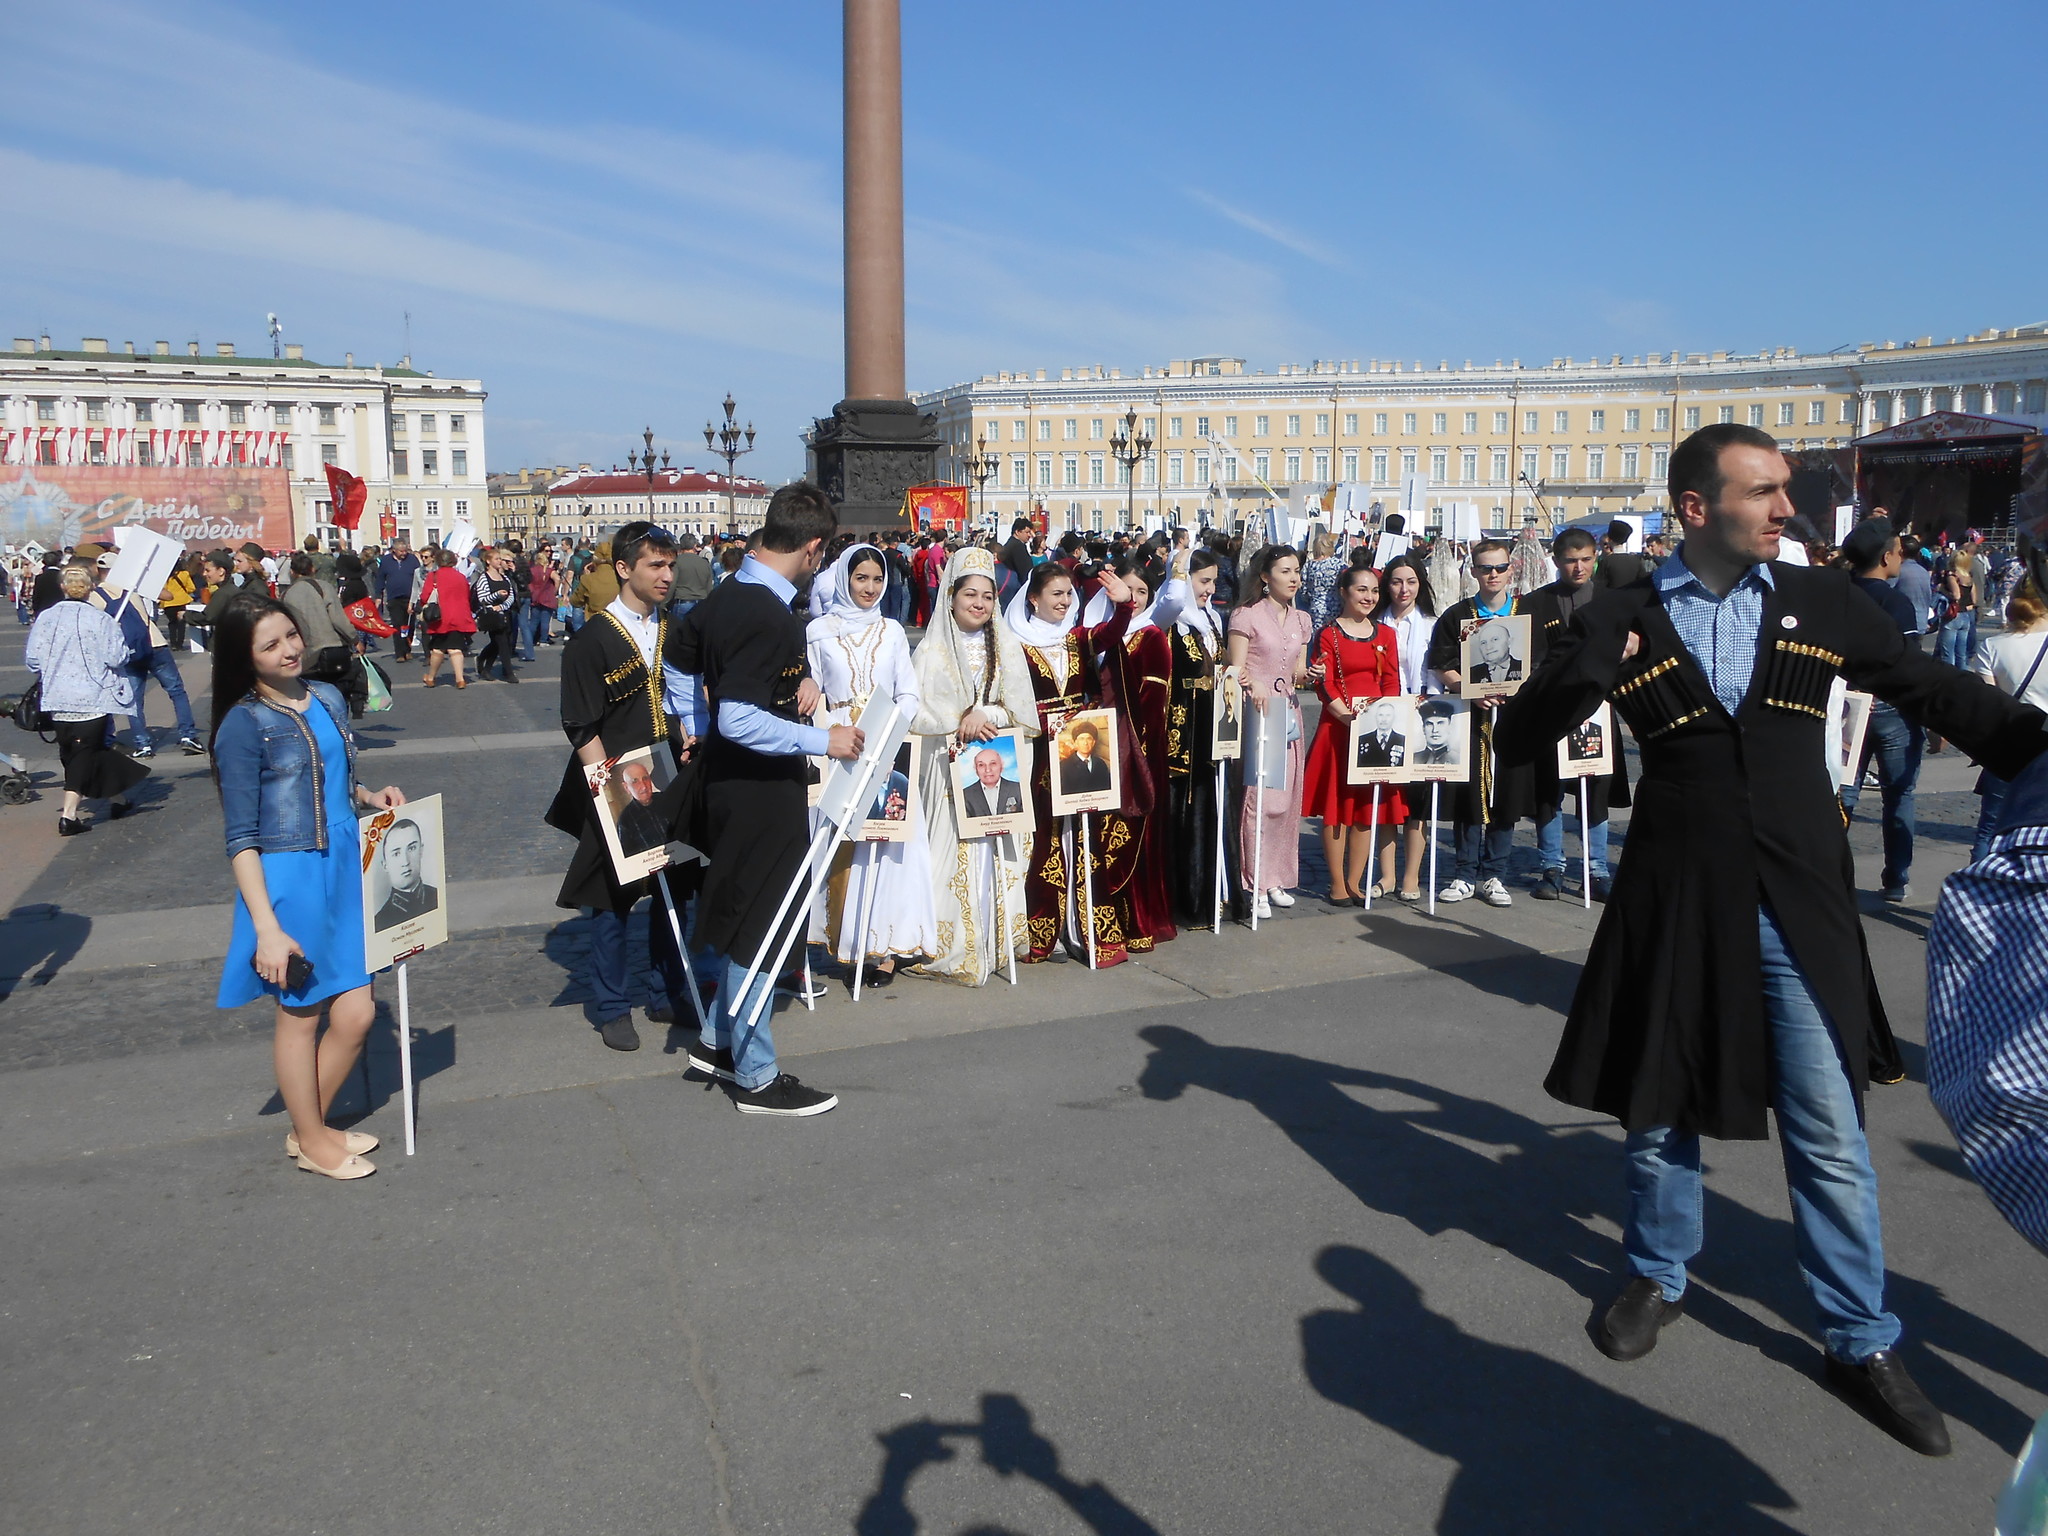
(1618, 567)
(1587, 742)
(1383, 746)
(1494, 655)
(991, 794)
(405, 864)
(640, 829)
(1082, 772)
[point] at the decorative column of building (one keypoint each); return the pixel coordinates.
(875, 444)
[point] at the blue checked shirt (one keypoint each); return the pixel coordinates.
(1987, 1009)
(1721, 632)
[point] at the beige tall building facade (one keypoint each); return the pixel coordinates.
(416, 440)
(1555, 441)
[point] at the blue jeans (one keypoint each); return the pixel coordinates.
(522, 627)
(1896, 744)
(610, 985)
(1957, 639)
(1827, 1168)
(163, 666)
(542, 618)
(572, 619)
(1991, 791)
(1483, 852)
(1550, 843)
(753, 1050)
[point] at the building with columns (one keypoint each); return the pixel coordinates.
(416, 440)
(591, 506)
(1556, 441)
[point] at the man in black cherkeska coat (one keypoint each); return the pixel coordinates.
(1729, 976)
(750, 691)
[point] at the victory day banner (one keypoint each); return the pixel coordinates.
(57, 505)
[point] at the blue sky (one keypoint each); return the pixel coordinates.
(614, 213)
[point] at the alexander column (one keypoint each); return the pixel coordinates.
(875, 444)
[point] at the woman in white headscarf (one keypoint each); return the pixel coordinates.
(972, 682)
(855, 655)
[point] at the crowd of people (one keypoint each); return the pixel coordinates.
(1728, 979)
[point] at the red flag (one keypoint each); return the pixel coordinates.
(348, 494)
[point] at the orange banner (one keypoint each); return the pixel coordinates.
(57, 506)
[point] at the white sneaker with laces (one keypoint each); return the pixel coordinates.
(1457, 890)
(1282, 898)
(1494, 894)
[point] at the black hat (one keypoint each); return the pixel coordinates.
(1437, 707)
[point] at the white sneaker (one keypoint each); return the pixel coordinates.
(1494, 894)
(1261, 907)
(1457, 890)
(1282, 898)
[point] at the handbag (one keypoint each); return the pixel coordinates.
(490, 620)
(28, 709)
(377, 687)
(363, 614)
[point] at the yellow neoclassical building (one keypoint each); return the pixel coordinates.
(1552, 441)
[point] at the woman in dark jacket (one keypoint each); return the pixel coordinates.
(284, 762)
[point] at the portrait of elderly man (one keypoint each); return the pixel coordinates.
(640, 829)
(1382, 745)
(991, 794)
(1493, 654)
(404, 853)
(1082, 768)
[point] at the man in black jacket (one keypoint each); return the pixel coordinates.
(1729, 976)
(1015, 555)
(1875, 557)
(1551, 609)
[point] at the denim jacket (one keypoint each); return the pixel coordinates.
(272, 789)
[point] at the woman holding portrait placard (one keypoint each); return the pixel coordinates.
(1356, 658)
(855, 653)
(1066, 678)
(1186, 613)
(284, 763)
(972, 681)
(1269, 639)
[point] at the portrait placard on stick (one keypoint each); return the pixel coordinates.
(988, 784)
(1443, 745)
(1493, 655)
(1587, 750)
(405, 880)
(1846, 738)
(1265, 758)
(888, 816)
(1383, 733)
(1086, 775)
(1226, 720)
(629, 795)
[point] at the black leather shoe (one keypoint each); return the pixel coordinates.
(1883, 1393)
(1629, 1330)
(72, 826)
(619, 1033)
(1549, 886)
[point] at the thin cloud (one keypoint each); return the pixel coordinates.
(1301, 245)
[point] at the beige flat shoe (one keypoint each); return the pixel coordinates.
(359, 1142)
(352, 1167)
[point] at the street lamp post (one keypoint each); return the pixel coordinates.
(725, 442)
(981, 467)
(1131, 445)
(645, 461)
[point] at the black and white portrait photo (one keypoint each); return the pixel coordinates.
(1443, 728)
(404, 855)
(405, 882)
(1587, 750)
(1493, 658)
(1381, 740)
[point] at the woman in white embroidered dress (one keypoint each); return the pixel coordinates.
(856, 654)
(972, 682)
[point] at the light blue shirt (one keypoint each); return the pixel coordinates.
(1721, 632)
(746, 725)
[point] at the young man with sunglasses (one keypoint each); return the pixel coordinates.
(1485, 808)
(612, 704)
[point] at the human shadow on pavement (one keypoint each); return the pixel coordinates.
(1534, 1190)
(36, 942)
(1011, 1446)
(1539, 1447)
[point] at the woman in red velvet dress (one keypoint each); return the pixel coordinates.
(1354, 658)
(1060, 654)
(1137, 680)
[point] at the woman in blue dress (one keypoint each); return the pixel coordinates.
(284, 762)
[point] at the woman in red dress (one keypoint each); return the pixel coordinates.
(1137, 680)
(1354, 659)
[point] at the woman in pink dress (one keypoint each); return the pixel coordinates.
(1269, 646)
